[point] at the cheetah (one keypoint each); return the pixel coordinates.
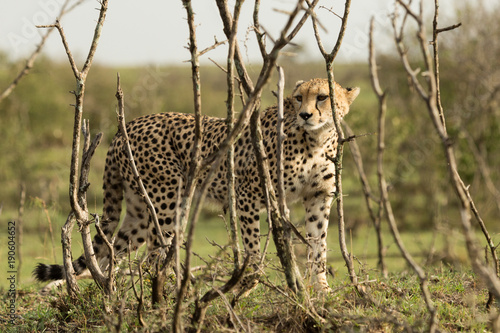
(161, 145)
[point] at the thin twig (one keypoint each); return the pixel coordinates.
(194, 168)
(109, 244)
(436, 61)
(77, 191)
(433, 321)
(120, 112)
(233, 223)
(202, 304)
(227, 21)
(213, 161)
(139, 297)
(31, 60)
(212, 47)
(483, 167)
(49, 222)
(337, 159)
(376, 218)
(431, 98)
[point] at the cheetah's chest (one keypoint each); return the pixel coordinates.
(309, 174)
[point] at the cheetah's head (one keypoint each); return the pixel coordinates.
(312, 103)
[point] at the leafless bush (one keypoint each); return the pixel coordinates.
(79, 179)
(428, 89)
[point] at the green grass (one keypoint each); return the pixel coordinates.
(458, 296)
(40, 245)
(398, 306)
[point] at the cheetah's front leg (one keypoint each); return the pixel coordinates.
(317, 218)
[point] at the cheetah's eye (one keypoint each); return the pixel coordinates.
(298, 98)
(321, 97)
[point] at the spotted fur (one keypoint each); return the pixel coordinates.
(162, 143)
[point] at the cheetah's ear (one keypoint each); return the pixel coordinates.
(298, 83)
(351, 94)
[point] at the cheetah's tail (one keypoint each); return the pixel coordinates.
(43, 272)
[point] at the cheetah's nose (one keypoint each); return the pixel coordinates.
(305, 115)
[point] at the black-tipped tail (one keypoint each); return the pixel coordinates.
(43, 272)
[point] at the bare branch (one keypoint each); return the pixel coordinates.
(281, 138)
(257, 27)
(109, 245)
(238, 58)
(254, 97)
(195, 166)
(123, 130)
(283, 210)
(343, 27)
(31, 60)
(483, 167)
(330, 57)
(83, 219)
(230, 120)
(398, 37)
(202, 304)
(331, 11)
(77, 186)
(431, 98)
(384, 196)
(69, 271)
(213, 161)
(337, 159)
(210, 48)
(57, 25)
(369, 197)
(416, 17)
(451, 27)
(95, 40)
(138, 296)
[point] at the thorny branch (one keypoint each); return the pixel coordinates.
(31, 60)
(213, 161)
(430, 95)
(376, 218)
(120, 113)
(231, 179)
(337, 159)
(435, 32)
(138, 296)
(384, 196)
(76, 190)
(194, 169)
